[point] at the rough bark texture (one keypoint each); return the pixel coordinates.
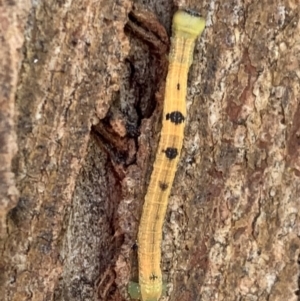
(13, 17)
(82, 97)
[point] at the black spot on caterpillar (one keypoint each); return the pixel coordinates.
(163, 186)
(153, 277)
(171, 152)
(175, 117)
(178, 86)
(135, 247)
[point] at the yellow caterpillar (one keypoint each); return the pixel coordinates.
(186, 27)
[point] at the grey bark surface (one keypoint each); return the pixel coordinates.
(80, 117)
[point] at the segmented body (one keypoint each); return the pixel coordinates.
(186, 28)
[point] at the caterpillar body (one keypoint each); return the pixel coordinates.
(186, 27)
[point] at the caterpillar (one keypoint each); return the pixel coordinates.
(186, 27)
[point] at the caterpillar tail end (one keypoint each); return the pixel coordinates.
(135, 291)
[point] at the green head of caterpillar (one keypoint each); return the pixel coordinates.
(187, 23)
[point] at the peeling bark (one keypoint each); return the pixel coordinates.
(84, 104)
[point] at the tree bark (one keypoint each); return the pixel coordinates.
(82, 101)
